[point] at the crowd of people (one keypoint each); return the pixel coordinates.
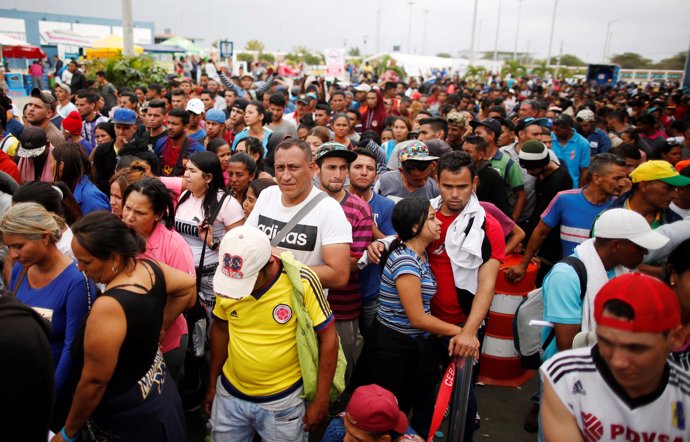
(183, 247)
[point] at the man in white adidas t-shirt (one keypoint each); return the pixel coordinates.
(322, 238)
(623, 388)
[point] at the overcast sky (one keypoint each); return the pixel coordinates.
(655, 29)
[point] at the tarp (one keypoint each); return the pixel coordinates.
(109, 46)
(188, 45)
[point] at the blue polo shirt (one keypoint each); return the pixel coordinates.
(574, 215)
(574, 154)
(370, 276)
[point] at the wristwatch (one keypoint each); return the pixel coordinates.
(215, 244)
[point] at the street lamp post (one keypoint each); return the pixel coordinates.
(517, 29)
(409, 30)
(426, 16)
(474, 29)
(498, 28)
(127, 29)
(553, 26)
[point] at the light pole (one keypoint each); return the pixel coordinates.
(409, 30)
(553, 26)
(474, 29)
(378, 28)
(426, 16)
(498, 28)
(607, 40)
(517, 29)
(127, 28)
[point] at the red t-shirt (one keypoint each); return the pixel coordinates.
(10, 167)
(445, 305)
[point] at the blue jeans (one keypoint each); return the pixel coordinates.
(238, 420)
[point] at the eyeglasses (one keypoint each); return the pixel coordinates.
(411, 165)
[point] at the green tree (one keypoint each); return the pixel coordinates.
(123, 71)
(631, 60)
(444, 55)
(267, 57)
(541, 69)
(514, 68)
(568, 60)
(354, 52)
(255, 45)
(475, 71)
(314, 59)
(677, 62)
(246, 57)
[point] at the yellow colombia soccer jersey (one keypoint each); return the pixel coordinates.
(262, 350)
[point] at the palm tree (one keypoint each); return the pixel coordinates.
(475, 72)
(255, 45)
(513, 68)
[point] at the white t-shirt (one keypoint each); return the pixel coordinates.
(63, 111)
(603, 410)
(65, 243)
(682, 212)
(189, 215)
(324, 225)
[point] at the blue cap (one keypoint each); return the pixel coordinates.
(215, 115)
(122, 115)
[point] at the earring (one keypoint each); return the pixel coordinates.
(114, 269)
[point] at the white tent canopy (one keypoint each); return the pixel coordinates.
(6, 40)
(424, 64)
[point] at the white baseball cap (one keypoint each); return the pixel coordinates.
(627, 224)
(195, 105)
(243, 252)
(363, 88)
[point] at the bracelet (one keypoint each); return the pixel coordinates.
(66, 437)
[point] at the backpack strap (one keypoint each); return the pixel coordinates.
(579, 267)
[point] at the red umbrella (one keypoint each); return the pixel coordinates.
(23, 52)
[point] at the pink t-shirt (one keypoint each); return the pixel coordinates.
(168, 247)
(174, 185)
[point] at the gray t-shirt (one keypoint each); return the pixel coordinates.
(285, 127)
(390, 185)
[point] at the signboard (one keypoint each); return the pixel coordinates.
(335, 63)
(226, 49)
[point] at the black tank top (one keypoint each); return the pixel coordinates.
(144, 315)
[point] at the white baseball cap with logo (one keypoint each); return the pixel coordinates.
(627, 224)
(196, 106)
(243, 252)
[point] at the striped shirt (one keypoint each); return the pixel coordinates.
(574, 215)
(346, 302)
(403, 261)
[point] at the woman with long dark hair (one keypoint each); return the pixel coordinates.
(73, 167)
(124, 391)
(241, 171)
(255, 117)
(398, 353)
(375, 115)
(205, 191)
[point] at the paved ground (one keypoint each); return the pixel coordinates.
(502, 411)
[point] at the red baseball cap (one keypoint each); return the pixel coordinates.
(655, 305)
(373, 408)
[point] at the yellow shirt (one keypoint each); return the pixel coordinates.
(262, 350)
